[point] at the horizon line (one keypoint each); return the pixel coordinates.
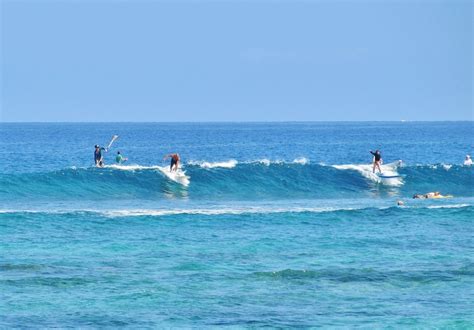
(237, 122)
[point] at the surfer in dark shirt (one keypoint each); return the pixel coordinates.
(98, 158)
(377, 160)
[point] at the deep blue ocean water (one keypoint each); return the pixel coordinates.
(282, 225)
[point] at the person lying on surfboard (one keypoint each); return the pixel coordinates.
(174, 161)
(377, 160)
(435, 194)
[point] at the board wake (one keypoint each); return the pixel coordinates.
(389, 175)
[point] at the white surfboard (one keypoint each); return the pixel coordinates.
(178, 176)
(388, 175)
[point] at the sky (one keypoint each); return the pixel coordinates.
(262, 60)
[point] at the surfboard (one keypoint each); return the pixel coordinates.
(178, 176)
(387, 176)
(441, 196)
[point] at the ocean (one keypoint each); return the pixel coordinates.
(280, 225)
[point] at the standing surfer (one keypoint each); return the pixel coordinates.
(98, 158)
(377, 160)
(174, 161)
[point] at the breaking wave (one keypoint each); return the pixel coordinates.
(233, 180)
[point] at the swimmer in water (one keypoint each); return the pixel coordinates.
(377, 160)
(174, 161)
(468, 161)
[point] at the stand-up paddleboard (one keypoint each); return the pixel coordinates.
(178, 176)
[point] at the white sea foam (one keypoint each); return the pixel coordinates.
(264, 161)
(132, 167)
(223, 210)
(48, 211)
(224, 164)
(232, 162)
(301, 161)
(436, 166)
(449, 206)
(197, 211)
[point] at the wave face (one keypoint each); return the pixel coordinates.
(232, 180)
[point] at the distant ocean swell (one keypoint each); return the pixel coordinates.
(230, 179)
(369, 275)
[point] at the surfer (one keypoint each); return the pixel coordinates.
(174, 161)
(468, 161)
(377, 160)
(98, 158)
(418, 196)
(434, 194)
(120, 159)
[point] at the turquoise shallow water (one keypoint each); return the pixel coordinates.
(278, 237)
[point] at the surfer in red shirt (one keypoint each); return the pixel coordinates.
(174, 161)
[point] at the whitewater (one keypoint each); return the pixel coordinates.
(268, 224)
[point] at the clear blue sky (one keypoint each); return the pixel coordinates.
(236, 60)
